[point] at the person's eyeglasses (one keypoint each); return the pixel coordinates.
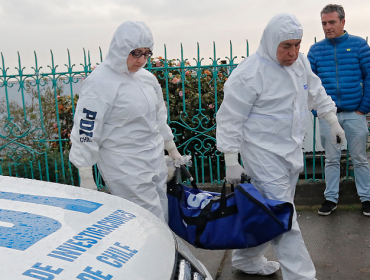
(138, 54)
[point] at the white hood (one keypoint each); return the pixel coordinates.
(280, 28)
(129, 36)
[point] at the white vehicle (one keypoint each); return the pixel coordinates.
(52, 231)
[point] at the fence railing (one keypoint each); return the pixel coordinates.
(37, 108)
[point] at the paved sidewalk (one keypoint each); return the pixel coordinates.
(339, 245)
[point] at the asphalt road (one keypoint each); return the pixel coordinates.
(339, 245)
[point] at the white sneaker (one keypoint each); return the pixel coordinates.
(270, 267)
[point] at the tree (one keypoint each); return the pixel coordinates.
(37, 131)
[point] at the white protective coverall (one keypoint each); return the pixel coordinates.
(263, 116)
(121, 124)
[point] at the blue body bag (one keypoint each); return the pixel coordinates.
(217, 221)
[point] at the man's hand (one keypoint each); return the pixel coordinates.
(337, 132)
(234, 174)
(234, 170)
(87, 179)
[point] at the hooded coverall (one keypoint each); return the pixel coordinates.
(263, 116)
(121, 124)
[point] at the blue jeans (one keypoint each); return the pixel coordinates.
(355, 128)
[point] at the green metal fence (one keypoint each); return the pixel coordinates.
(36, 116)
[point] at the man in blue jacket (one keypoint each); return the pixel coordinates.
(342, 62)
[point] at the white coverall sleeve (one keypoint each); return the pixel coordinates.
(164, 129)
(91, 112)
(239, 97)
(317, 96)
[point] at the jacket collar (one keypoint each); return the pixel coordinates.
(339, 39)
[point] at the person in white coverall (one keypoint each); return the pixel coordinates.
(263, 117)
(121, 124)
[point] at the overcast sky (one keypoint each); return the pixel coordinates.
(58, 25)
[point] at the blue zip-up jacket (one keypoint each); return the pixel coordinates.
(343, 65)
